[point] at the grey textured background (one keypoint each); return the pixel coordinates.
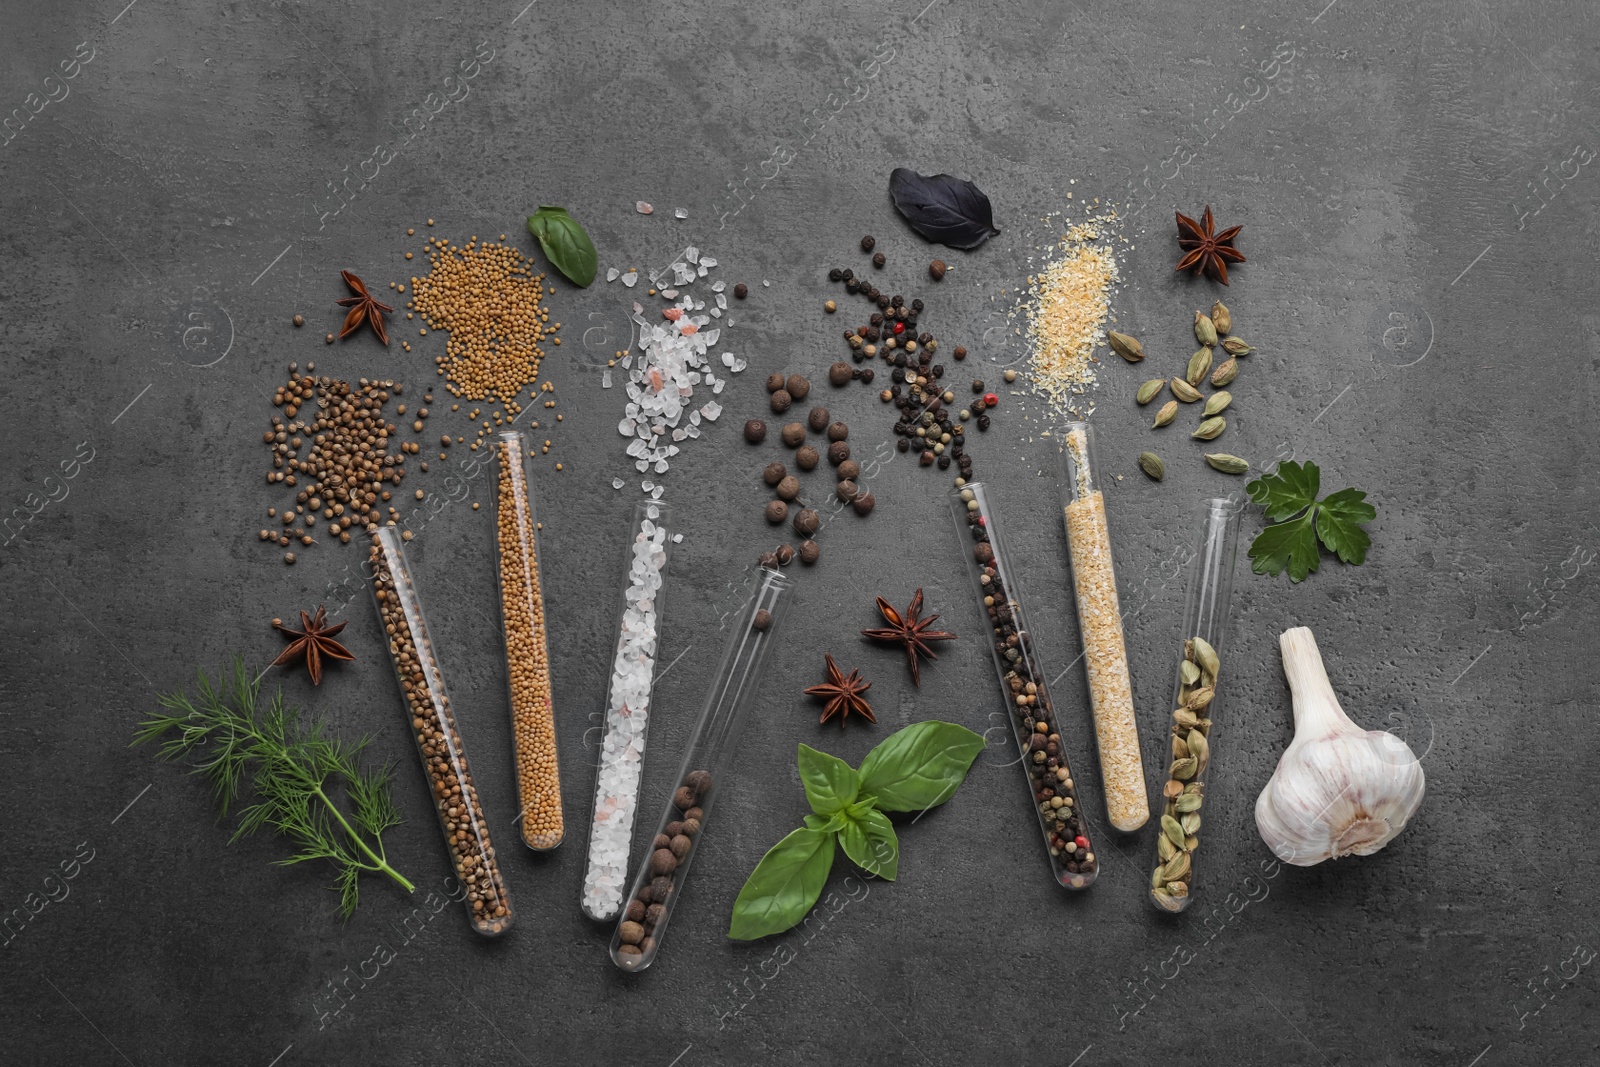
(1420, 224)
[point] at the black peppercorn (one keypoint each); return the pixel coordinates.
(848, 274)
(876, 318)
(882, 300)
(773, 473)
(867, 242)
(755, 431)
(926, 459)
(867, 374)
(983, 422)
(938, 370)
(850, 285)
(839, 374)
(977, 385)
(794, 434)
(879, 260)
(944, 462)
(904, 444)
(897, 300)
(916, 305)
(897, 375)
(806, 522)
(810, 552)
(834, 275)
(741, 291)
(925, 337)
(780, 401)
(817, 419)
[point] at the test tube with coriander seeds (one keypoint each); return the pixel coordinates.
(533, 727)
(1205, 624)
(1105, 654)
(1025, 691)
(433, 726)
(703, 778)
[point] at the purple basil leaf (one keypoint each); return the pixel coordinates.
(943, 208)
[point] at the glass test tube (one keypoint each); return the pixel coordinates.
(703, 778)
(627, 713)
(533, 726)
(1029, 709)
(1205, 624)
(1105, 656)
(433, 725)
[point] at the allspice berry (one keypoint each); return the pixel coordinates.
(788, 489)
(807, 522)
(846, 489)
(780, 401)
(769, 560)
(838, 431)
(850, 469)
(785, 555)
(864, 503)
(936, 270)
(685, 797)
(810, 552)
(630, 932)
(774, 382)
(818, 419)
(798, 387)
(774, 473)
(662, 861)
(762, 620)
(777, 511)
(755, 431)
(838, 452)
(806, 457)
(794, 434)
(840, 374)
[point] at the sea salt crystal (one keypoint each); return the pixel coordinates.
(717, 287)
(681, 213)
(630, 279)
(711, 410)
(691, 254)
(707, 261)
(613, 274)
(617, 483)
(605, 378)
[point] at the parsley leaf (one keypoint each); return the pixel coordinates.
(1300, 521)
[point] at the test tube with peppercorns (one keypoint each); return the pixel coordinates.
(533, 728)
(1023, 685)
(433, 725)
(703, 778)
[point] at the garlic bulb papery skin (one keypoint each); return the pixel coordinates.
(1339, 790)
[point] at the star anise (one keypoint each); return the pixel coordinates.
(1204, 249)
(910, 630)
(843, 694)
(312, 642)
(364, 307)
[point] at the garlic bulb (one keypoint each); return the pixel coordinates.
(1338, 790)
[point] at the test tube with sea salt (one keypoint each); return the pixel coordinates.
(627, 712)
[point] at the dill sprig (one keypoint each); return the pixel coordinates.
(292, 770)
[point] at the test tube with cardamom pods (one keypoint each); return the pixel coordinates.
(1105, 654)
(533, 725)
(1024, 688)
(619, 764)
(433, 725)
(703, 778)
(1205, 624)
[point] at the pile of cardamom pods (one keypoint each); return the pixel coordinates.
(1185, 789)
(1212, 331)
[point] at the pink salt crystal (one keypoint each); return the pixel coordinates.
(642, 208)
(672, 313)
(655, 379)
(688, 328)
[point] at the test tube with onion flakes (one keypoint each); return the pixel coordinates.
(533, 728)
(1105, 654)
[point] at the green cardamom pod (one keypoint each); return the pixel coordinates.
(1199, 698)
(1172, 789)
(1225, 374)
(1156, 881)
(1211, 429)
(1192, 789)
(1165, 848)
(1191, 822)
(1188, 672)
(1147, 392)
(1176, 867)
(1221, 318)
(1184, 769)
(1199, 366)
(1227, 464)
(1163, 899)
(1125, 346)
(1217, 402)
(1206, 656)
(1151, 464)
(1191, 843)
(1180, 748)
(1173, 829)
(1187, 803)
(1177, 889)
(1199, 747)
(1186, 718)
(1235, 347)
(1184, 391)
(1168, 412)
(1205, 331)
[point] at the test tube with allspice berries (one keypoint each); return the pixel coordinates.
(433, 726)
(703, 779)
(533, 728)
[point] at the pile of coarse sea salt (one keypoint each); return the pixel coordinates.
(672, 357)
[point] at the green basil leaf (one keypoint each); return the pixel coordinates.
(565, 244)
(871, 844)
(784, 885)
(836, 821)
(830, 782)
(920, 766)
